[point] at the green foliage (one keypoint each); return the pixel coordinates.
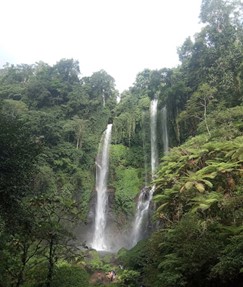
(188, 172)
(135, 258)
(18, 153)
(225, 124)
(125, 178)
(70, 276)
(134, 261)
(151, 82)
(230, 263)
(199, 104)
(36, 276)
(127, 186)
(128, 278)
(128, 120)
(95, 261)
(124, 126)
(14, 108)
(118, 155)
(183, 254)
(214, 59)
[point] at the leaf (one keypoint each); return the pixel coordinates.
(233, 230)
(212, 175)
(182, 189)
(203, 206)
(208, 183)
(162, 206)
(188, 185)
(159, 197)
(200, 187)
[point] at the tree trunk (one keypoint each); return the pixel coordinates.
(22, 270)
(51, 262)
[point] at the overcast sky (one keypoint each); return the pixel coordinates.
(123, 37)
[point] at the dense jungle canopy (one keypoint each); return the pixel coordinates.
(51, 121)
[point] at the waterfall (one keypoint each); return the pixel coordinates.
(164, 130)
(145, 154)
(145, 197)
(142, 211)
(102, 165)
(153, 124)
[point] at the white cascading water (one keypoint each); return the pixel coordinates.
(144, 200)
(164, 130)
(154, 147)
(145, 196)
(102, 166)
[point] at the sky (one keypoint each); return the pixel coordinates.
(122, 37)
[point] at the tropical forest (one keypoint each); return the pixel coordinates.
(140, 188)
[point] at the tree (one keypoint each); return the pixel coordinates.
(56, 214)
(199, 105)
(77, 126)
(67, 70)
(101, 88)
(18, 153)
(22, 250)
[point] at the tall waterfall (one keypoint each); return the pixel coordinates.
(102, 166)
(154, 147)
(164, 130)
(145, 197)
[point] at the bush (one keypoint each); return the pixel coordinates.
(70, 276)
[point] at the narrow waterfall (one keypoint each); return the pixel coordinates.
(102, 166)
(145, 197)
(165, 130)
(145, 154)
(154, 147)
(142, 211)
